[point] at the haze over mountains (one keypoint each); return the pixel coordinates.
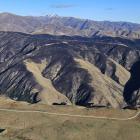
(57, 25)
(99, 66)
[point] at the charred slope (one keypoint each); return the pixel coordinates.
(132, 87)
(59, 70)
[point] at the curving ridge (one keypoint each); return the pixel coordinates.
(99, 82)
(61, 76)
(48, 94)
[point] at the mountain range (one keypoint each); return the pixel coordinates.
(70, 26)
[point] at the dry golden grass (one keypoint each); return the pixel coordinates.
(122, 73)
(48, 94)
(103, 85)
(37, 126)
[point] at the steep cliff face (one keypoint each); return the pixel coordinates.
(68, 70)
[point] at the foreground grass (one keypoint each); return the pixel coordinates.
(36, 126)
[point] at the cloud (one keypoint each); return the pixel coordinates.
(63, 6)
(109, 9)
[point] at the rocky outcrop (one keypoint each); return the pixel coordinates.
(65, 70)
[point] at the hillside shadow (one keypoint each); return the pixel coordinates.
(131, 89)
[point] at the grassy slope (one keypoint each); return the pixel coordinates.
(29, 126)
(48, 94)
(121, 72)
(103, 84)
(35, 126)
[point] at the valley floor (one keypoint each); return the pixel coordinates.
(41, 126)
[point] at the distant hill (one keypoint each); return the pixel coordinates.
(57, 25)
